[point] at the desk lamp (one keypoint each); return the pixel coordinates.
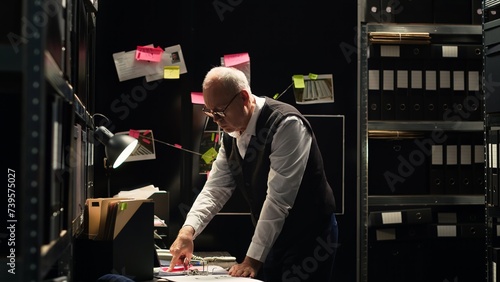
(117, 147)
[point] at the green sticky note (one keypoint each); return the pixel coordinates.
(313, 76)
(298, 81)
(276, 96)
(209, 156)
(171, 72)
(123, 206)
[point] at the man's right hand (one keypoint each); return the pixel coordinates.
(182, 248)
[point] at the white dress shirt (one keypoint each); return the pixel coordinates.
(289, 154)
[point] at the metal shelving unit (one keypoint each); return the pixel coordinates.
(491, 27)
(34, 130)
(36, 81)
(366, 201)
(362, 203)
(492, 211)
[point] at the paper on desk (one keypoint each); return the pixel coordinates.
(139, 193)
(179, 270)
(212, 269)
(210, 278)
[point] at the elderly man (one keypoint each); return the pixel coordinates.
(270, 153)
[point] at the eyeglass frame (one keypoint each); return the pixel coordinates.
(221, 114)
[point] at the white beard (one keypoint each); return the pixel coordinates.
(234, 134)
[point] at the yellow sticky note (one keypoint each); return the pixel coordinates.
(313, 76)
(298, 81)
(171, 72)
(209, 156)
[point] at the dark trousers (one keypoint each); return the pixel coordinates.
(310, 260)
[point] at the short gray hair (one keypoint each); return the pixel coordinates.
(230, 78)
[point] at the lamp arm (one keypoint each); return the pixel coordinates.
(171, 145)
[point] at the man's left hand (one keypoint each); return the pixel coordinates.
(248, 268)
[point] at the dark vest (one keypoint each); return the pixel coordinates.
(315, 201)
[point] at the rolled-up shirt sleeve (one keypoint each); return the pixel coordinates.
(289, 155)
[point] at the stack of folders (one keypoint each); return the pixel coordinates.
(494, 253)
(455, 224)
(492, 161)
(423, 223)
(457, 166)
(412, 79)
(405, 224)
(393, 134)
(106, 217)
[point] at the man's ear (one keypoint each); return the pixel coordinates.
(245, 96)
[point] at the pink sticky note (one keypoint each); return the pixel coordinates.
(197, 98)
(178, 146)
(145, 53)
(134, 133)
(146, 139)
(236, 59)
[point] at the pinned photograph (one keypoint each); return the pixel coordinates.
(313, 88)
(175, 57)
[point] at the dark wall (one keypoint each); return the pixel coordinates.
(283, 38)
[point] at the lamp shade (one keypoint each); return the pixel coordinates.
(117, 147)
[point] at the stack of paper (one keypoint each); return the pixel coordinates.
(217, 278)
(400, 37)
(139, 193)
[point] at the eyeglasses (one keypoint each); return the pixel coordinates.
(220, 114)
